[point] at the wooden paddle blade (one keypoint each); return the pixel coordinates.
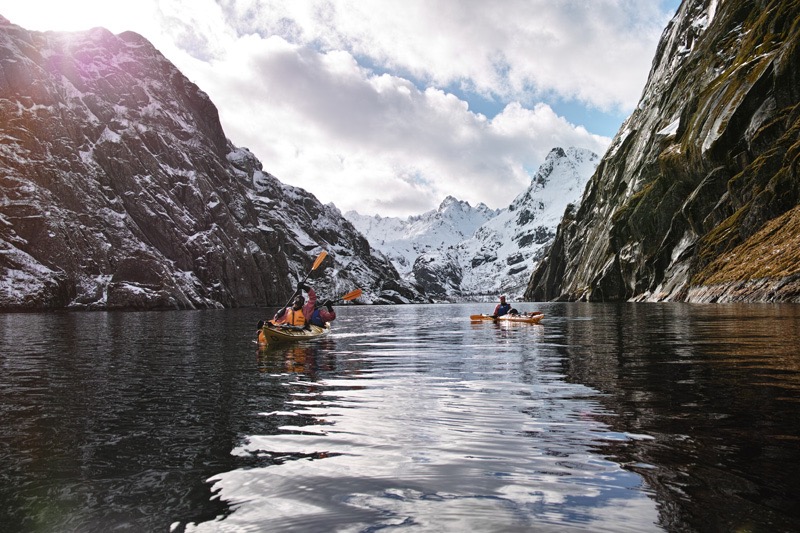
(319, 260)
(352, 295)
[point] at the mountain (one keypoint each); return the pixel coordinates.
(697, 197)
(457, 251)
(120, 190)
(403, 240)
(502, 254)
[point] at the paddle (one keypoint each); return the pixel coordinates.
(352, 295)
(320, 258)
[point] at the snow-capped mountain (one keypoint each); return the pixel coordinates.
(501, 255)
(458, 252)
(403, 240)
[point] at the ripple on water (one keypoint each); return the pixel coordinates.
(444, 437)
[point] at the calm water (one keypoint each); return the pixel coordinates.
(631, 417)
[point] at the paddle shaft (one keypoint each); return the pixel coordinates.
(317, 262)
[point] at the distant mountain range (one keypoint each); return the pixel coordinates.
(462, 252)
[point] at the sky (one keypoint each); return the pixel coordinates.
(388, 106)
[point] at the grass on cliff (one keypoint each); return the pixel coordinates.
(772, 252)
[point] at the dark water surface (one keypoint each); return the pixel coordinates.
(605, 417)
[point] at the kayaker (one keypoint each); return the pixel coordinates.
(323, 314)
(502, 308)
(262, 340)
(300, 309)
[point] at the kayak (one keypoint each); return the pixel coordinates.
(532, 318)
(286, 333)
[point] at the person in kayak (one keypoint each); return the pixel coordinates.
(323, 314)
(300, 311)
(502, 308)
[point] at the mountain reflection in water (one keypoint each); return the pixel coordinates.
(605, 417)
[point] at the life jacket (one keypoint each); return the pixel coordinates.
(316, 319)
(502, 309)
(295, 317)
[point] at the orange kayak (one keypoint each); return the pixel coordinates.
(526, 318)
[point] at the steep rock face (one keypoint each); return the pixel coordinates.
(301, 225)
(699, 172)
(120, 189)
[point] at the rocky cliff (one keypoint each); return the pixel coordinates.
(120, 190)
(697, 197)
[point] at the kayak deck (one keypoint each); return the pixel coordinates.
(285, 333)
(531, 318)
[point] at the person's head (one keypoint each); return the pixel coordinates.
(298, 302)
(502, 299)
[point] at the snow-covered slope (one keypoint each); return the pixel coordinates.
(458, 251)
(503, 252)
(403, 240)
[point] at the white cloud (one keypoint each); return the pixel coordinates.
(598, 51)
(366, 141)
(349, 99)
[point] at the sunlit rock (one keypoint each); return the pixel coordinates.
(704, 164)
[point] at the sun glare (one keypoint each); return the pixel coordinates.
(79, 15)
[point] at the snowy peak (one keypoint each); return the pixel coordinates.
(403, 240)
(452, 207)
(458, 251)
(451, 201)
(570, 164)
(503, 252)
(564, 173)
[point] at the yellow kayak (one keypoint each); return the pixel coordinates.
(285, 333)
(526, 318)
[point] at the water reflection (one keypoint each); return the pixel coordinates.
(308, 358)
(112, 420)
(601, 418)
(717, 389)
(441, 426)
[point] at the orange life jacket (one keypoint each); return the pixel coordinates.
(295, 318)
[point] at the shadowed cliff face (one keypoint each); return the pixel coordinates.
(698, 177)
(119, 189)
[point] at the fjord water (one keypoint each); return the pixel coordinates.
(604, 417)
